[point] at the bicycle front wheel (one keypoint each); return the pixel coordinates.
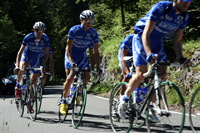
(32, 103)
(118, 125)
(194, 112)
(169, 110)
(79, 104)
(20, 105)
(39, 91)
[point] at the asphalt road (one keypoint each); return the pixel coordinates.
(95, 120)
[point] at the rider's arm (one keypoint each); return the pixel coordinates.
(177, 44)
(69, 50)
(124, 53)
(146, 37)
(46, 55)
(96, 54)
(19, 55)
(51, 62)
(91, 58)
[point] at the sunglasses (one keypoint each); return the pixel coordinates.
(189, 1)
(88, 21)
(39, 31)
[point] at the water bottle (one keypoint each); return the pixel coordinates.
(72, 91)
(143, 92)
(137, 93)
(23, 87)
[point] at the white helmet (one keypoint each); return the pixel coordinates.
(39, 25)
(87, 14)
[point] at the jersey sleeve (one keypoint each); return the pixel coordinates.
(71, 33)
(50, 50)
(25, 41)
(95, 37)
(157, 11)
(184, 22)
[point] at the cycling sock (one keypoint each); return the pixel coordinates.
(18, 85)
(64, 101)
(125, 98)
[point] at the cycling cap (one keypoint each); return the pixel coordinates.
(87, 14)
(39, 25)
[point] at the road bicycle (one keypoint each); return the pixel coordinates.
(194, 111)
(77, 105)
(169, 109)
(40, 91)
(27, 90)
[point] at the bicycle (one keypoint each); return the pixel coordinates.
(27, 90)
(40, 91)
(138, 114)
(77, 107)
(194, 111)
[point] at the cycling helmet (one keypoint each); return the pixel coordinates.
(87, 14)
(39, 25)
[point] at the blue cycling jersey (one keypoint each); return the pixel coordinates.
(164, 22)
(82, 40)
(50, 50)
(33, 52)
(127, 45)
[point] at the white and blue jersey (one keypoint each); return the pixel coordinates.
(127, 45)
(50, 50)
(165, 24)
(33, 52)
(81, 41)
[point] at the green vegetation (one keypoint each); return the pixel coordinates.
(113, 21)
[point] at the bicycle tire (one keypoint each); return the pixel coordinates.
(118, 125)
(61, 116)
(20, 105)
(79, 108)
(39, 91)
(194, 111)
(33, 103)
(172, 116)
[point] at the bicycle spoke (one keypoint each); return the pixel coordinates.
(39, 92)
(194, 113)
(32, 103)
(117, 124)
(78, 107)
(171, 115)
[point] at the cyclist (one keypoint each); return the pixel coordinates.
(52, 66)
(34, 51)
(80, 37)
(125, 50)
(147, 43)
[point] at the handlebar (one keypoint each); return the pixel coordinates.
(168, 64)
(76, 69)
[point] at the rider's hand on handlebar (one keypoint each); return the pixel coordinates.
(185, 61)
(151, 58)
(99, 71)
(16, 70)
(128, 75)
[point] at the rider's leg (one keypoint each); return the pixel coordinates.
(19, 78)
(133, 83)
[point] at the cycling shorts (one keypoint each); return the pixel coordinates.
(80, 59)
(139, 54)
(34, 62)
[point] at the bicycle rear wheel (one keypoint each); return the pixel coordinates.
(79, 104)
(118, 125)
(194, 112)
(20, 105)
(61, 116)
(39, 91)
(32, 102)
(171, 114)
